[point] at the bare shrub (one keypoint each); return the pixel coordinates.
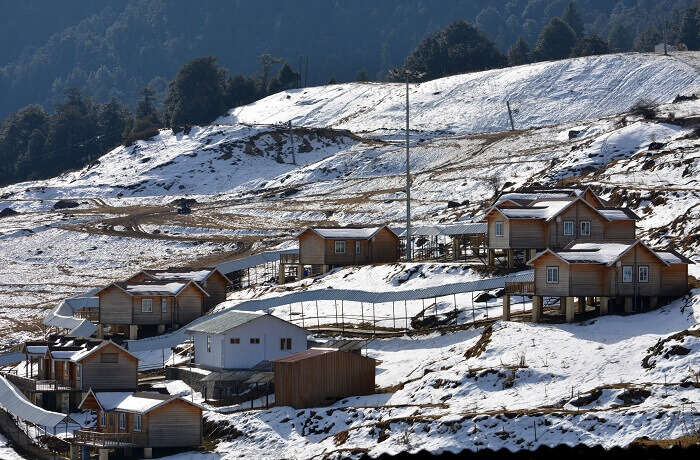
(644, 108)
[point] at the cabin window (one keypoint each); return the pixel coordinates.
(626, 273)
(103, 418)
(111, 419)
(208, 344)
(340, 247)
(285, 343)
(585, 228)
(358, 249)
(137, 422)
(66, 368)
(163, 306)
(235, 340)
(255, 340)
(553, 275)
(146, 305)
(568, 227)
(122, 421)
(109, 358)
(643, 273)
(499, 228)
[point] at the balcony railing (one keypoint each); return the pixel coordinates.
(520, 288)
(28, 384)
(289, 258)
(90, 314)
(101, 439)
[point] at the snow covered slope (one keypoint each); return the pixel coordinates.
(542, 94)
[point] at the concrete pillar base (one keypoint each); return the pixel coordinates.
(604, 305)
(324, 269)
(506, 308)
(492, 257)
(628, 305)
(133, 331)
(570, 309)
(653, 302)
(537, 308)
(148, 452)
(562, 305)
(161, 328)
(300, 272)
(104, 454)
(581, 305)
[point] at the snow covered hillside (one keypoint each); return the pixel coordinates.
(487, 387)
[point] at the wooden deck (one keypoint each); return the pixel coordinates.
(101, 439)
(35, 385)
(520, 288)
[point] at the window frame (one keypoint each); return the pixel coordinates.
(581, 224)
(336, 244)
(137, 422)
(631, 274)
(572, 224)
(554, 269)
(285, 343)
(208, 343)
(255, 340)
(102, 415)
(358, 248)
(500, 224)
(163, 305)
(235, 340)
(639, 273)
(146, 305)
(103, 358)
(122, 420)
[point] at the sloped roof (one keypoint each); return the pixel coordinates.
(606, 253)
(139, 402)
(356, 233)
(540, 210)
(198, 274)
(13, 401)
(230, 319)
(302, 355)
(155, 288)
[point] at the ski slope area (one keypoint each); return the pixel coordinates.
(542, 94)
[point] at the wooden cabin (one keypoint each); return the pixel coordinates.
(149, 304)
(241, 339)
(630, 276)
(321, 376)
(140, 420)
(66, 367)
(555, 223)
(326, 248)
(212, 280)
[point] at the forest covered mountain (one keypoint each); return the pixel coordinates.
(114, 49)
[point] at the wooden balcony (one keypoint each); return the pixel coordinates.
(101, 439)
(35, 385)
(289, 258)
(90, 314)
(520, 288)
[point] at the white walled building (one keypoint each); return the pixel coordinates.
(241, 339)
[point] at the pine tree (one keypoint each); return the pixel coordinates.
(573, 18)
(519, 53)
(286, 79)
(112, 119)
(590, 46)
(240, 90)
(690, 29)
(647, 39)
(196, 94)
(361, 76)
(555, 42)
(619, 39)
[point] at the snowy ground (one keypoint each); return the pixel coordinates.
(522, 381)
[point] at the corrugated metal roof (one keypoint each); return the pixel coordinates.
(225, 322)
(457, 228)
(179, 336)
(302, 355)
(13, 401)
(252, 261)
(12, 357)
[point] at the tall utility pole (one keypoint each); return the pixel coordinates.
(510, 116)
(665, 50)
(291, 143)
(408, 185)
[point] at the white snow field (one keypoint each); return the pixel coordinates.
(573, 127)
